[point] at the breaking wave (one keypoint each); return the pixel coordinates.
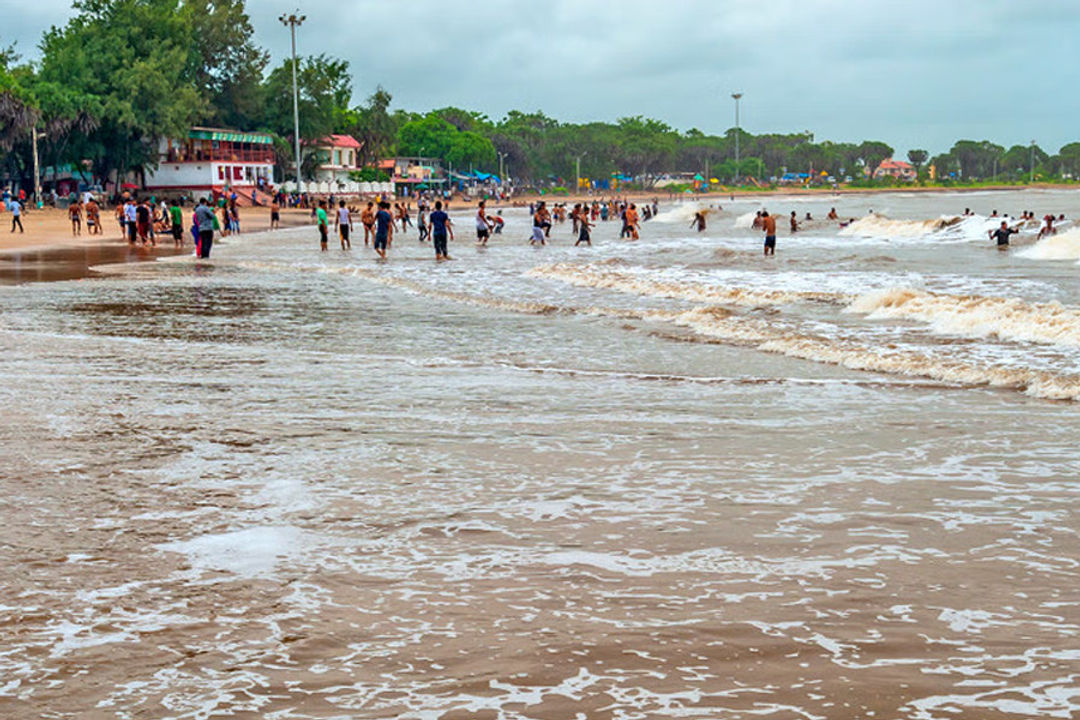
(1063, 246)
(719, 323)
(635, 282)
(975, 316)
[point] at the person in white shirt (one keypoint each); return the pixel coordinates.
(343, 223)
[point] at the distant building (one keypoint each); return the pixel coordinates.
(214, 160)
(418, 172)
(895, 169)
(338, 155)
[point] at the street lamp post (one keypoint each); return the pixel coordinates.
(501, 156)
(1032, 166)
(736, 97)
(577, 170)
(293, 21)
(34, 134)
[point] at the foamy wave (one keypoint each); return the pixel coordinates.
(683, 212)
(1063, 246)
(976, 316)
(879, 226)
(632, 282)
(720, 324)
(746, 220)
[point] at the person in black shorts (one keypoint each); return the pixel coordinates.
(384, 229)
(1002, 235)
(768, 224)
(440, 227)
(583, 232)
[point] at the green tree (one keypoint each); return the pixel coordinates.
(227, 66)
(325, 90)
(917, 158)
(133, 58)
(873, 153)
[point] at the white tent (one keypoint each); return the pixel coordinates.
(366, 188)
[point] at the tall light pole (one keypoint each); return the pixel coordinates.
(501, 156)
(293, 21)
(736, 96)
(34, 134)
(577, 170)
(1032, 166)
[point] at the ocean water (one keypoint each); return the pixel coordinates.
(657, 479)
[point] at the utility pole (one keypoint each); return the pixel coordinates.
(737, 96)
(501, 156)
(293, 21)
(577, 170)
(1032, 166)
(34, 134)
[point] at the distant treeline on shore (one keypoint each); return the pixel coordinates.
(123, 74)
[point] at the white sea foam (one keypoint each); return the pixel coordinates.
(1063, 246)
(976, 316)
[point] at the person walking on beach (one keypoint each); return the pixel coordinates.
(75, 213)
(176, 220)
(422, 222)
(204, 221)
(440, 228)
(16, 215)
(275, 215)
(343, 223)
(384, 229)
(768, 224)
(324, 223)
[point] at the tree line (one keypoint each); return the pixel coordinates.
(122, 74)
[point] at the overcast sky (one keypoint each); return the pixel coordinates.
(914, 73)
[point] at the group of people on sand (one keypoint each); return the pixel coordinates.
(90, 211)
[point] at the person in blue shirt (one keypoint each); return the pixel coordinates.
(16, 215)
(440, 227)
(384, 229)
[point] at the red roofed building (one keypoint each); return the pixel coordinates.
(338, 156)
(895, 169)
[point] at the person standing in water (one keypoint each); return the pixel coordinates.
(768, 224)
(1002, 235)
(367, 219)
(583, 230)
(699, 221)
(483, 226)
(440, 227)
(176, 221)
(384, 229)
(794, 223)
(204, 221)
(324, 224)
(343, 224)
(632, 221)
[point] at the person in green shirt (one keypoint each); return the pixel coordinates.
(177, 216)
(321, 219)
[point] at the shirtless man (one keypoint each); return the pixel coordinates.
(583, 233)
(275, 215)
(368, 219)
(794, 223)
(832, 214)
(75, 212)
(768, 224)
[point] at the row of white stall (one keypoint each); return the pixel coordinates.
(341, 188)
